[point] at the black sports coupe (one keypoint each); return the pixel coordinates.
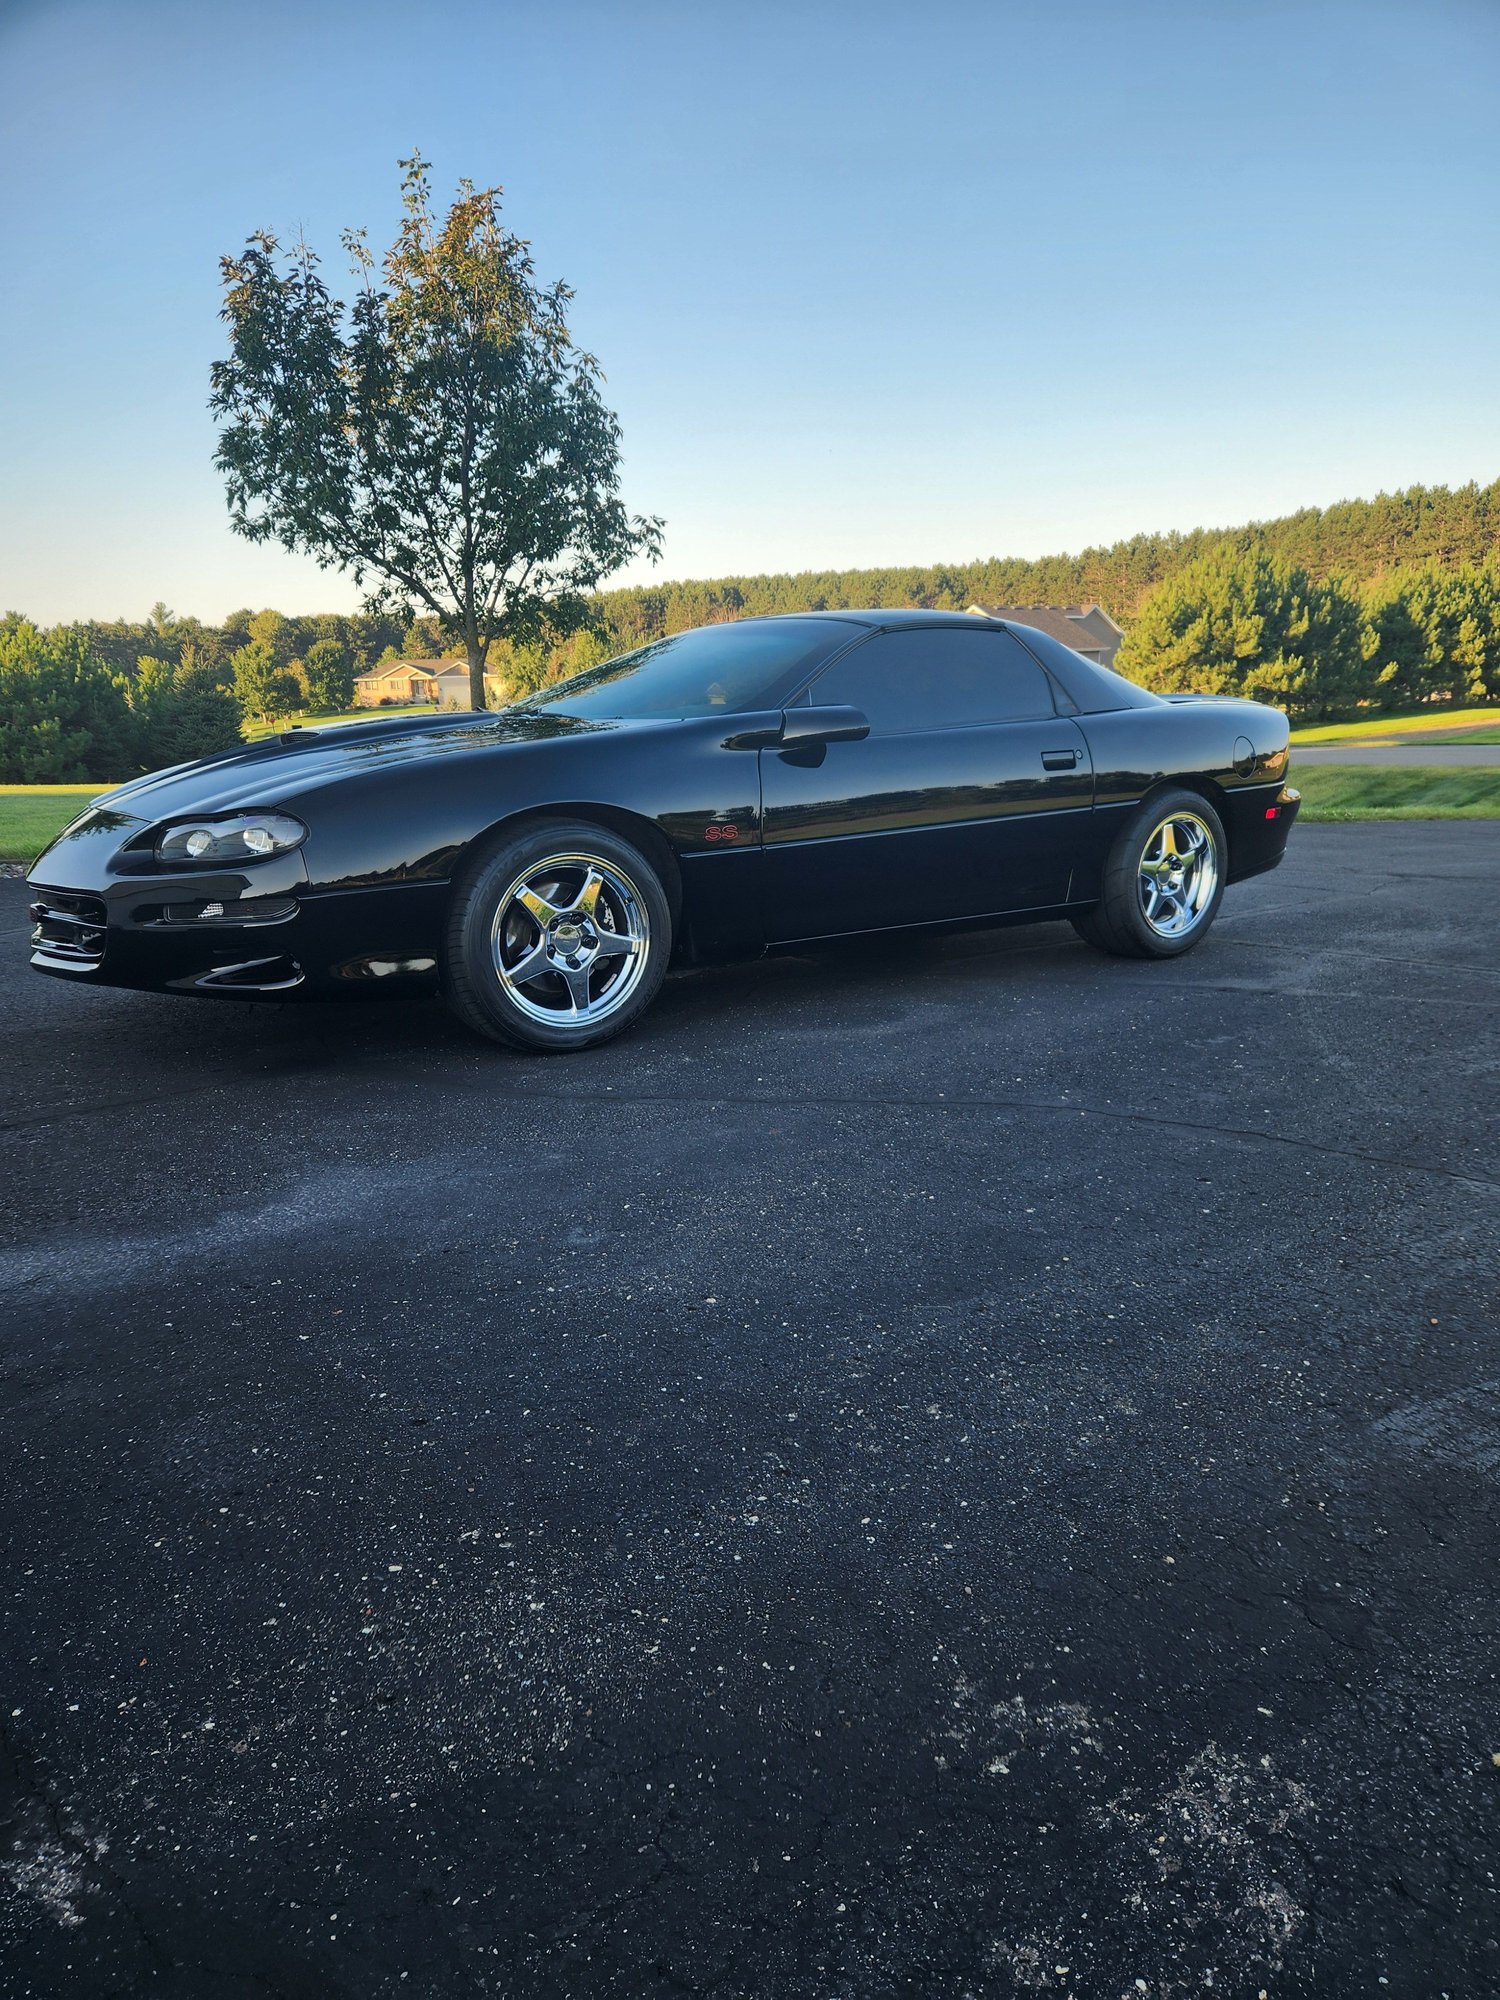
(712, 795)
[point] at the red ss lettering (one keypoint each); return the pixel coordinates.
(730, 832)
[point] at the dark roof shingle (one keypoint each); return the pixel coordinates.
(1048, 618)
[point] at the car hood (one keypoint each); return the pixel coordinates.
(281, 768)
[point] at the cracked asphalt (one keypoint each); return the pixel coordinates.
(948, 1469)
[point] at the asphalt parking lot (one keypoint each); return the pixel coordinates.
(946, 1469)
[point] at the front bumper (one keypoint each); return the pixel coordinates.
(256, 933)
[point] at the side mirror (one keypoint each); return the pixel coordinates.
(800, 729)
(805, 728)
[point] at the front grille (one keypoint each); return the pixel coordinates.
(68, 926)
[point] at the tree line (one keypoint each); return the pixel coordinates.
(1383, 604)
(1321, 648)
(1387, 603)
(1418, 527)
(95, 702)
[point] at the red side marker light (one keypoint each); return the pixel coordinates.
(1273, 812)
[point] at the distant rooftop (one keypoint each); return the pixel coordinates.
(429, 667)
(1087, 628)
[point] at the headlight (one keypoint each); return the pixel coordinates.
(241, 837)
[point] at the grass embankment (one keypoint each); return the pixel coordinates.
(31, 815)
(1468, 725)
(1384, 791)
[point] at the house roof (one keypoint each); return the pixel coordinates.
(1048, 618)
(428, 668)
(1093, 610)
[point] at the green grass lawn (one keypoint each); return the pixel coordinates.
(1413, 791)
(253, 731)
(31, 815)
(1478, 725)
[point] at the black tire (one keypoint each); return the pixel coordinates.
(1119, 922)
(493, 935)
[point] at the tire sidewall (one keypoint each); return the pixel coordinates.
(475, 991)
(1127, 909)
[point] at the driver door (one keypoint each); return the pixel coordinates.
(967, 799)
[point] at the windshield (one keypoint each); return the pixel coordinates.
(713, 669)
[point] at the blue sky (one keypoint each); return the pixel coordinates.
(870, 283)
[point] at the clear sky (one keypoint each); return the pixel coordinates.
(871, 283)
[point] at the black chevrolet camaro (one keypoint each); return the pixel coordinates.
(710, 796)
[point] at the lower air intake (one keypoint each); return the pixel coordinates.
(69, 928)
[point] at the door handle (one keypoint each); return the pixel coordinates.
(1059, 760)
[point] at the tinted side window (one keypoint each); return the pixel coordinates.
(937, 677)
(744, 665)
(1092, 687)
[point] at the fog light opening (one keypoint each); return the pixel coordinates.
(252, 910)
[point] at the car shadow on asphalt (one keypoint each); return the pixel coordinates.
(864, 981)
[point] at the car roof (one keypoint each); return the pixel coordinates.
(1090, 686)
(882, 619)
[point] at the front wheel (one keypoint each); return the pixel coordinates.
(557, 939)
(1162, 882)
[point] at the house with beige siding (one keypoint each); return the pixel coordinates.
(400, 682)
(450, 685)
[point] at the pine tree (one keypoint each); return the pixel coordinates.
(1248, 625)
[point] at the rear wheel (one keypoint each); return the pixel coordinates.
(558, 938)
(1162, 882)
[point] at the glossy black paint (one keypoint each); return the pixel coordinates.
(762, 836)
(940, 825)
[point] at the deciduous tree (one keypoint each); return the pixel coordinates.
(444, 438)
(261, 687)
(329, 672)
(277, 633)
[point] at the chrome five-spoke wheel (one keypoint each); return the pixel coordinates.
(559, 935)
(1179, 872)
(1161, 882)
(570, 939)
